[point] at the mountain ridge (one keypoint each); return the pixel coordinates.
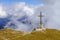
(48, 34)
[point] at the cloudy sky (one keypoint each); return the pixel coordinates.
(31, 10)
(10, 3)
(25, 10)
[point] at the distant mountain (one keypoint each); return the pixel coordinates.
(3, 22)
(23, 20)
(21, 23)
(48, 34)
(24, 23)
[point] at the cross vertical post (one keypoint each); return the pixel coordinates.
(41, 24)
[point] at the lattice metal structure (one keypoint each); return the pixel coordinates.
(41, 23)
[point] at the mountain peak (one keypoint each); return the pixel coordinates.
(48, 34)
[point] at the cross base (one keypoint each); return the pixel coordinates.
(41, 29)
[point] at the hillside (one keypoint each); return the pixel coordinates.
(48, 34)
(9, 34)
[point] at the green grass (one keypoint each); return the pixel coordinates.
(48, 34)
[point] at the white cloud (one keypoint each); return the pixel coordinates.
(50, 9)
(49, 2)
(3, 13)
(20, 10)
(29, 11)
(22, 6)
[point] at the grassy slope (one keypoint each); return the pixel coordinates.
(49, 34)
(8, 34)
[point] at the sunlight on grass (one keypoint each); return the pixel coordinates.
(48, 34)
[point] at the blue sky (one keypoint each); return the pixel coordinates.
(10, 2)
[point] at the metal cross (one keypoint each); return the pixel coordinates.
(41, 24)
